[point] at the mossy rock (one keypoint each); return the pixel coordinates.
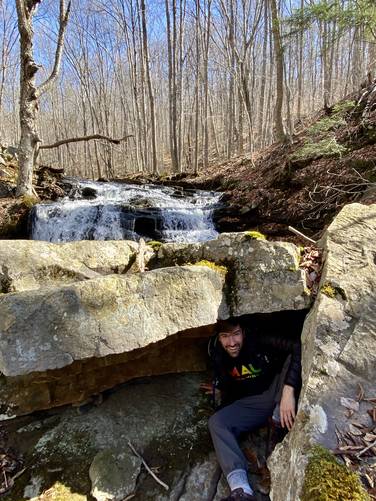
(328, 147)
(333, 291)
(255, 234)
(328, 480)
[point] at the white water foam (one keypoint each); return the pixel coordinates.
(121, 211)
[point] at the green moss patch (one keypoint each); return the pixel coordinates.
(255, 234)
(210, 264)
(154, 244)
(29, 201)
(332, 291)
(321, 140)
(60, 492)
(326, 124)
(328, 147)
(327, 480)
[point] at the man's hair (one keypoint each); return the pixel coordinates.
(226, 325)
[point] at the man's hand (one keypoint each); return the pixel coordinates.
(287, 407)
(215, 393)
(207, 388)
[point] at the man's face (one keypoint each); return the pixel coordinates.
(232, 340)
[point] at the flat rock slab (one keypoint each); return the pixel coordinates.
(165, 419)
(339, 349)
(49, 329)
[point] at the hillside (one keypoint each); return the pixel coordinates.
(327, 164)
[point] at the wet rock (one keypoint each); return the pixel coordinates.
(88, 192)
(339, 348)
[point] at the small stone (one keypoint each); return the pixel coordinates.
(113, 474)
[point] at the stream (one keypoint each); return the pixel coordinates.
(115, 211)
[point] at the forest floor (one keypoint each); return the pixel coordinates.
(303, 183)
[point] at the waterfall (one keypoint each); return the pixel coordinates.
(115, 211)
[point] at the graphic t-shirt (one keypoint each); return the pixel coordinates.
(253, 371)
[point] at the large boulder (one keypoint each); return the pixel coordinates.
(26, 265)
(63, 344)
(339, 352)
(262, 276)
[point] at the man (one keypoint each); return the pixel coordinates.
(247, 371)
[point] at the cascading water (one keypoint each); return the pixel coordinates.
(126, 212)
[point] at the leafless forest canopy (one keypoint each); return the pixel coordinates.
(191, 81)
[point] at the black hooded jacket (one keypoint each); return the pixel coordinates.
(254, 369)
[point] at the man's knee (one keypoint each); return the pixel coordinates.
(216, 422)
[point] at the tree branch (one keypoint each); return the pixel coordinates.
(63, 21)
(149, 470)
(83, 138)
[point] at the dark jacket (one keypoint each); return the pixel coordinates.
(261, 358)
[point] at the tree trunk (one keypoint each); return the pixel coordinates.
(150, 89)
(278, 50)
(300, 64)
(29, 94)
(172, 102)
(28, 98)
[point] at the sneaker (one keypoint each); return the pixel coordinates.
(239, 495)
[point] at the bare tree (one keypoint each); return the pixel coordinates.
(29, 93)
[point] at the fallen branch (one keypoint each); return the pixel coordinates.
(131, 496)
(366, 448)
(301, 235)
(165, 486)
(83, 138)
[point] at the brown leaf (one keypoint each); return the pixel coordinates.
(369, 437)
(252, 458)
(263, 483)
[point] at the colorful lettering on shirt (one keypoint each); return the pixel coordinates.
(245, 372)
(235, 372)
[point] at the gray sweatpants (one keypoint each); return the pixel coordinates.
(241, 416)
